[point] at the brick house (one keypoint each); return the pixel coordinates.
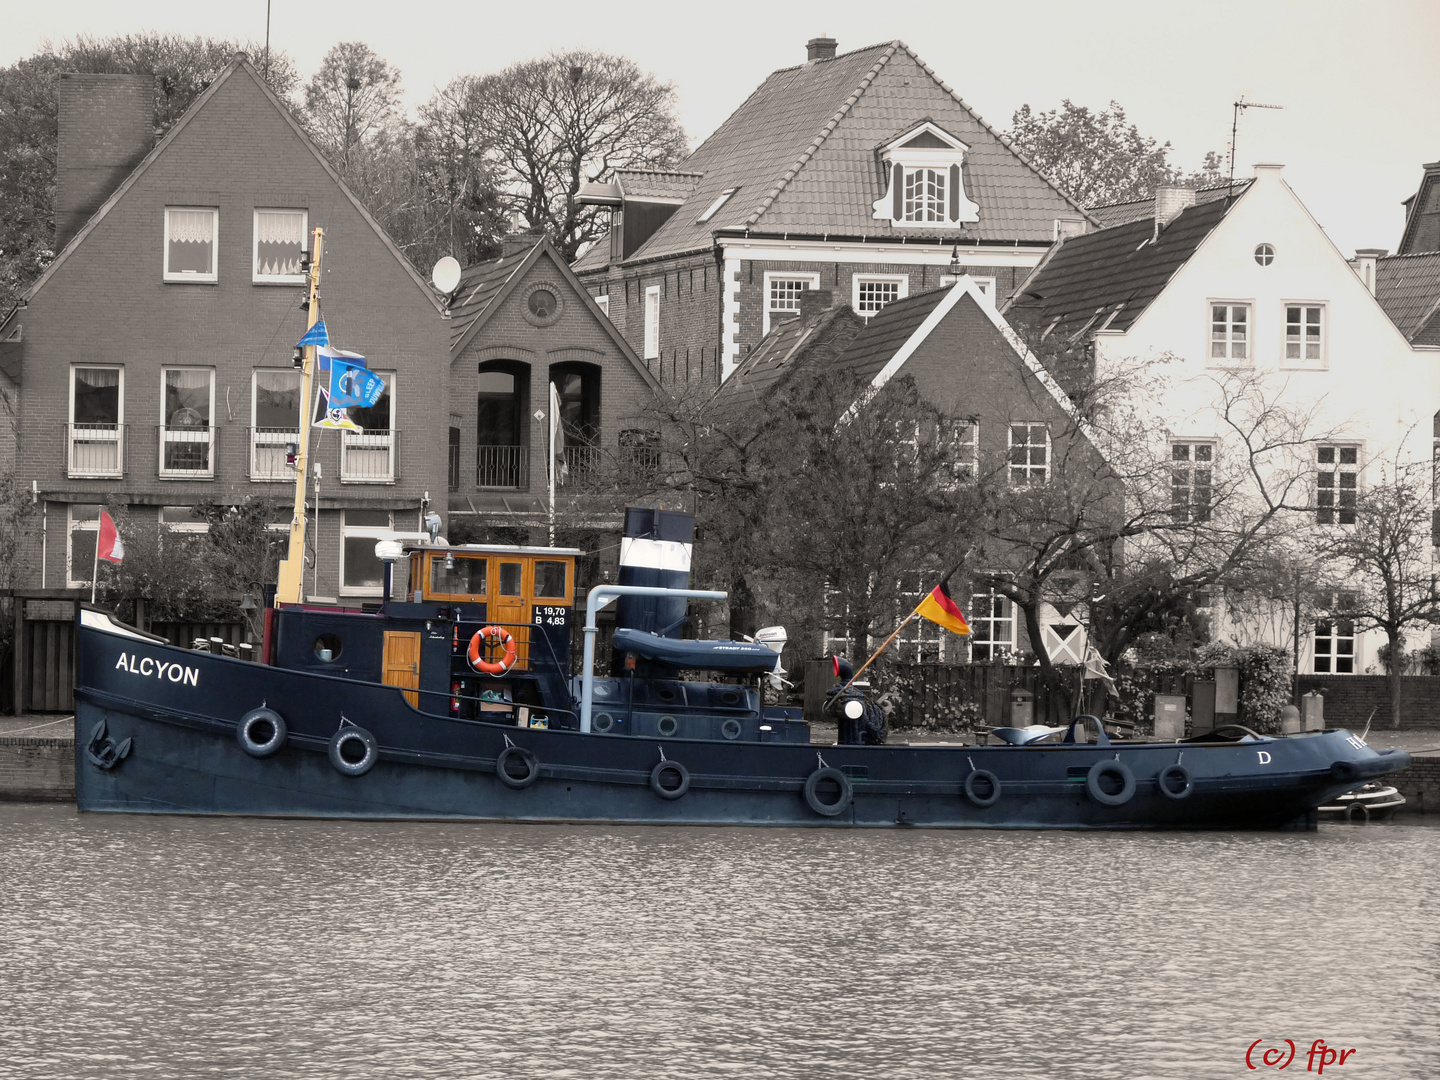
(153, 356)
(1005, 413)
(518, 325)
(861, 173)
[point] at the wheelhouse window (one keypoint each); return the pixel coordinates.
(782, 294)
(1029, 453)
(192, 235)
(550, 579)
(501, 432)
(186, 436)
(1336, 484)
(274, 423)
(96, 436)
(1230, 332)
(279, 242)
(1191, 480)
(367, 456)
(361, 572)
(873, 292)
(1304, 335)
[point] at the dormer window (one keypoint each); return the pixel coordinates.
(926, 181)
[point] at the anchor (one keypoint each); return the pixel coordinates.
(103, 752)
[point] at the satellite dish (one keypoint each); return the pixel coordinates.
(446, 275)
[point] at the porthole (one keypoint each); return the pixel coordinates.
(327, 648)
(1264, 254)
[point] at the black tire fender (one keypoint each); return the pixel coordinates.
(1118, 768)
(350, 733)
(984, 776)
(657, 782)
(1176, 772)
(261, 732)
(526, 757)
(812, 792)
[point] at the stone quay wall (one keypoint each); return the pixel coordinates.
(42, 770)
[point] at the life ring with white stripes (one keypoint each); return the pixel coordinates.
(487, 638)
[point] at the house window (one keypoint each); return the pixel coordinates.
(782, 294)
(186, 435)
(82, 531)
(1229, 331)
(501, 433)
(873, 292)
(926, 181)
(714, 207)
(361, 573)
(279, 243)
(1029, 453)
(274, 422)
(1335, 640)
(367, 456)
(1304, 334)
(1264, 254)
(925, 195)
(992, 626)
(1191, 480)
(986, 285)
(963, 439)
(97, 429)
(191, 237)
(603, 303)
(652, 322)
(182, 519)
(577, 388)
(639, 453)
(1336, 484)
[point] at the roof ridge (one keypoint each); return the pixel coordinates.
(658, 172)
(831, 60)
(1005, 142)
(815, 143)
(1408, 255)
(1151, 198)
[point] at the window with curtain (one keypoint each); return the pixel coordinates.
(185, 436)
(279, 242)
(275, 422)
(190, 241)
(95, 421)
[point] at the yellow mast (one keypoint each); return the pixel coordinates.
(292, 568)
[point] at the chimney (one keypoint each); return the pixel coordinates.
(1364, 264)
(106, 127)
(814, 301)
(1170, 200)
(515, 243)
(820, 48)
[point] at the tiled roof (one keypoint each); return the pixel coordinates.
(887, 330)
(780, 354)
(596, 257)
(802, 152)
(656, 184)
(1408, 288)
(479, 284)
(1126, 212)
(1111, 275)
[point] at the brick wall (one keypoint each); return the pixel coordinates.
(37, 769)
(1350, 699)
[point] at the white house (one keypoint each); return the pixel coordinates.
(1246, 287)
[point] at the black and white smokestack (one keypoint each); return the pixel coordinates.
(655, 551)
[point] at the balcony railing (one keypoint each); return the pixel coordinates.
(582, 464)
(96, 450)
(503, 467)
(187, 451)
(368, 457)
(268, 449)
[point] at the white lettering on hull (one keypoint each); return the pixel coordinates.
(149, 667)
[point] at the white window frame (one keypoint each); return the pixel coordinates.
(812, 281)
(965, 465)
(986, 285)
(1230, 359)
(119, 440)
(920, 640)
(1301, 362)
(1334, 639)
(858, 280)
(271, 437)
(652, 322)
(603, 303)
(71, 528)
(276, 279)
(1028, 470)
(166, 431)
(360, 532)
(1338, 470)
(372, 440)
(981, 605)
(915, 159)
(1183, 471)
(190, 526)
(193, 277)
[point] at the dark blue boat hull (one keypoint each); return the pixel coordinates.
(175, 714)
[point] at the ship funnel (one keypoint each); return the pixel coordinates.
(655, 551)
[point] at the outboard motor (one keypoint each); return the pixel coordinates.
(861, 722)
(654, 551)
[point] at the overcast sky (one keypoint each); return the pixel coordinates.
(1358, 80)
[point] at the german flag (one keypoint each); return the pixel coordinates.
(943, 611)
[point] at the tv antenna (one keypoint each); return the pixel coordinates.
(1240, 106)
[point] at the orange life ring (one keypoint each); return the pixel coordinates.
(486, 638)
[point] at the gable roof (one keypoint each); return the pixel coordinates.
(1408, 289)
(1122, 213)
(802, 151)
(240, 62)
(1106, 279)
(484, 287)
(888, 330)
(1422, 214)
(782, 352)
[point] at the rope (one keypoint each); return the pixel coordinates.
(36, 727)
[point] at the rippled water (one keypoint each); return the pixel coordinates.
(190, 947)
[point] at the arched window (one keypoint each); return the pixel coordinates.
(501, 429)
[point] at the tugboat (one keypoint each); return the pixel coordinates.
(455, 700)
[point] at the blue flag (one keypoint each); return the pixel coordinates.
(352, 385)
(316, 335)
(325, 354)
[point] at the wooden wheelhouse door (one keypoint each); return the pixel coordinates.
(402, 662)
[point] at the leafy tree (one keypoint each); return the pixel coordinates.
(351, 100)
(1096, 158)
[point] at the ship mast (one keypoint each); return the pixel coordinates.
(292, 567)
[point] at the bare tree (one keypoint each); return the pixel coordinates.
(353, 97)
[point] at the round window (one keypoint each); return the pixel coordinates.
(542, 303)
(327, 648)
(1264, 254)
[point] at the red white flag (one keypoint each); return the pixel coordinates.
(109, 546)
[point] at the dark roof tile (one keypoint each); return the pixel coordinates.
(1408, 289)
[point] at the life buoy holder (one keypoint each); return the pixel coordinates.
(487, 638)
(1116, 769)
